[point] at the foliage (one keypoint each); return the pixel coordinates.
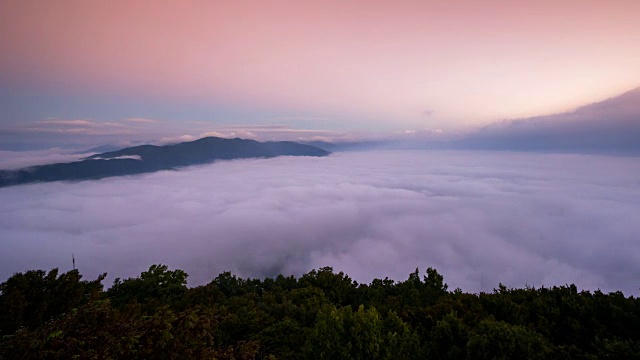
(156, 285)
(321, 315)
(30, 299)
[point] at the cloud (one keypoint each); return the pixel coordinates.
(76, 127)
(20, 159)
(261, 133)
(302, 118)
(479, 218)
(141, 121)
(610, 126)
(275, 132)
(66, 122)
(270, 127)
(428, 113)
(176, 139)
(132, 157)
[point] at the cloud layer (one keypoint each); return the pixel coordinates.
(20, 159)
(609, 126)
(480, 218)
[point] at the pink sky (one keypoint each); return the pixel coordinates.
(402, 64)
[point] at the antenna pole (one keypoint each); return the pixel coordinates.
(73, 260)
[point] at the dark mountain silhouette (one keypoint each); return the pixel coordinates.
(100, 149)
(149, 158)
(322, 145)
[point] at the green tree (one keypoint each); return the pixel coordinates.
(29, 299)
(499, 340)
(339, 288)
(448, 339)
(157, 285)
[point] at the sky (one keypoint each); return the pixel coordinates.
(82, 72)
(536, 96)
(611, 126)
(479, 218)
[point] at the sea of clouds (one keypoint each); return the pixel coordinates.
(479, 218)
(10, 160)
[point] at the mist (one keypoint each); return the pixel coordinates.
(18, 159)
(479, 218)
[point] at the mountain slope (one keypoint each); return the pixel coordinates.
(100, 149)
(149, 158)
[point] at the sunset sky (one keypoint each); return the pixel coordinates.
(496, 141)
(309, 69)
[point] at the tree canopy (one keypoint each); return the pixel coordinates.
(320, 315)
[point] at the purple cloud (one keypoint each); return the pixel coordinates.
(480, 218)
(609, 126)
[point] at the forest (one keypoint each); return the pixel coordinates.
(319, 315)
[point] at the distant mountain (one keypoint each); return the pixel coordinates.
(322, 145)
(100, 149)
(149, 158)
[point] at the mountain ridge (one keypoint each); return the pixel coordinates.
(150, 158)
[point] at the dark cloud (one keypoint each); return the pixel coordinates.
(480, 218)
(610, 126)
(428, 113)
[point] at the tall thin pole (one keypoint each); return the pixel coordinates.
(73, 260)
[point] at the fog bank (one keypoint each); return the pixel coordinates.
(480, 218)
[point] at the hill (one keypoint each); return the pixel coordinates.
(150, 158)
